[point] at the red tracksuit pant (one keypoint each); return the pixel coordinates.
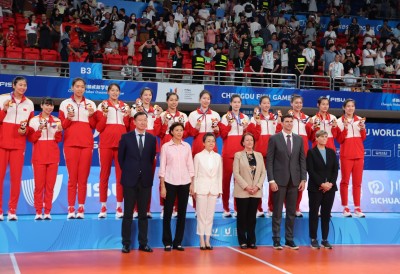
(78, 160)
(45, 178)
(227, 164)
(355, 168)
(14, 157)
(107, 155)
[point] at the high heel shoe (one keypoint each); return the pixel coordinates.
(209, 247)
(203, 248)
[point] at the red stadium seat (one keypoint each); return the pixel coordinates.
(1, 52)
(31, 54)
(162, 64)
(14, 53)
(50, 56)
(114, 59)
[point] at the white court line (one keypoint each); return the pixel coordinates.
(14, 263)
(259, 260)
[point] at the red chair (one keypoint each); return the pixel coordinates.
(14, 53)
(1, 52)
(162, 64)
(7, 21)
(31, 54)
(114, 59)
(50, 56)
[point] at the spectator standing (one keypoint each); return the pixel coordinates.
(368, 59)
(257, 44)
(31, 29)
(149, 50)
(369, 34)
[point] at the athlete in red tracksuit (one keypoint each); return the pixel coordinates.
(144, 104)
(77, 115)
(351, 139)
(325, 121)
(45, 134)
(263, 124)
(301, 126)
(112, 121)
(201, 121)
(232, 126)
(15, 112)
(161, 128)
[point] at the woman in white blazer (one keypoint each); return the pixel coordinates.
(207, 188)
(249, 172)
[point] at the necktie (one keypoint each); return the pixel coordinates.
(289, 144)
(140, 144)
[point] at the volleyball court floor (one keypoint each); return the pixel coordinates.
(222, 260)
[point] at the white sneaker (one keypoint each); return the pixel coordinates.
(135, 215)
(81, 213)
(71, 213)
(174, 214)
(12, 217)
(103, 212)
(235, 214)
(358, 213)
(226, 214)
(1, 217)
(299, 214)
(162, 214)
(38, 217)
(269, 213)
(260, 214)
(346, 212)
(119, 213)
(47, 217)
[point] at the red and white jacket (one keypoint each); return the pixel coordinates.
(351, 139)
(206, 119)
(45, 141)
(263, 131)
(162, 130)
(10, 121)
(112, 126)
(231, 131)
(78, 132)
(327, 125)
(302, 127)
(151, 117)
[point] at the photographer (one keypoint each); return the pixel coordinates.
(149, 50)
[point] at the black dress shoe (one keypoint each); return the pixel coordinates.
(209, 247)
(178, 247)
(167, 248)
(126, 249)
(291, 245)
(243, 246)
(145, 248)
(277, 245)
(253, 246)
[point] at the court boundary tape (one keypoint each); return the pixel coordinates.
(259, 260)
(14, 263)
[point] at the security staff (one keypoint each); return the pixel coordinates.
(221, 62)
(198, 64)
(300, 66)
(239, 68)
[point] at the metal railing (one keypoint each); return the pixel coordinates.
(194, 76)
(315, 82)
(366, 84)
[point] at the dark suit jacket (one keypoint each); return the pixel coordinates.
(281, 166)
(319, 172)
(132, 165)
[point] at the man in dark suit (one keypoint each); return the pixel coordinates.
(286, 171)
(136, 153)
(322, 167)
